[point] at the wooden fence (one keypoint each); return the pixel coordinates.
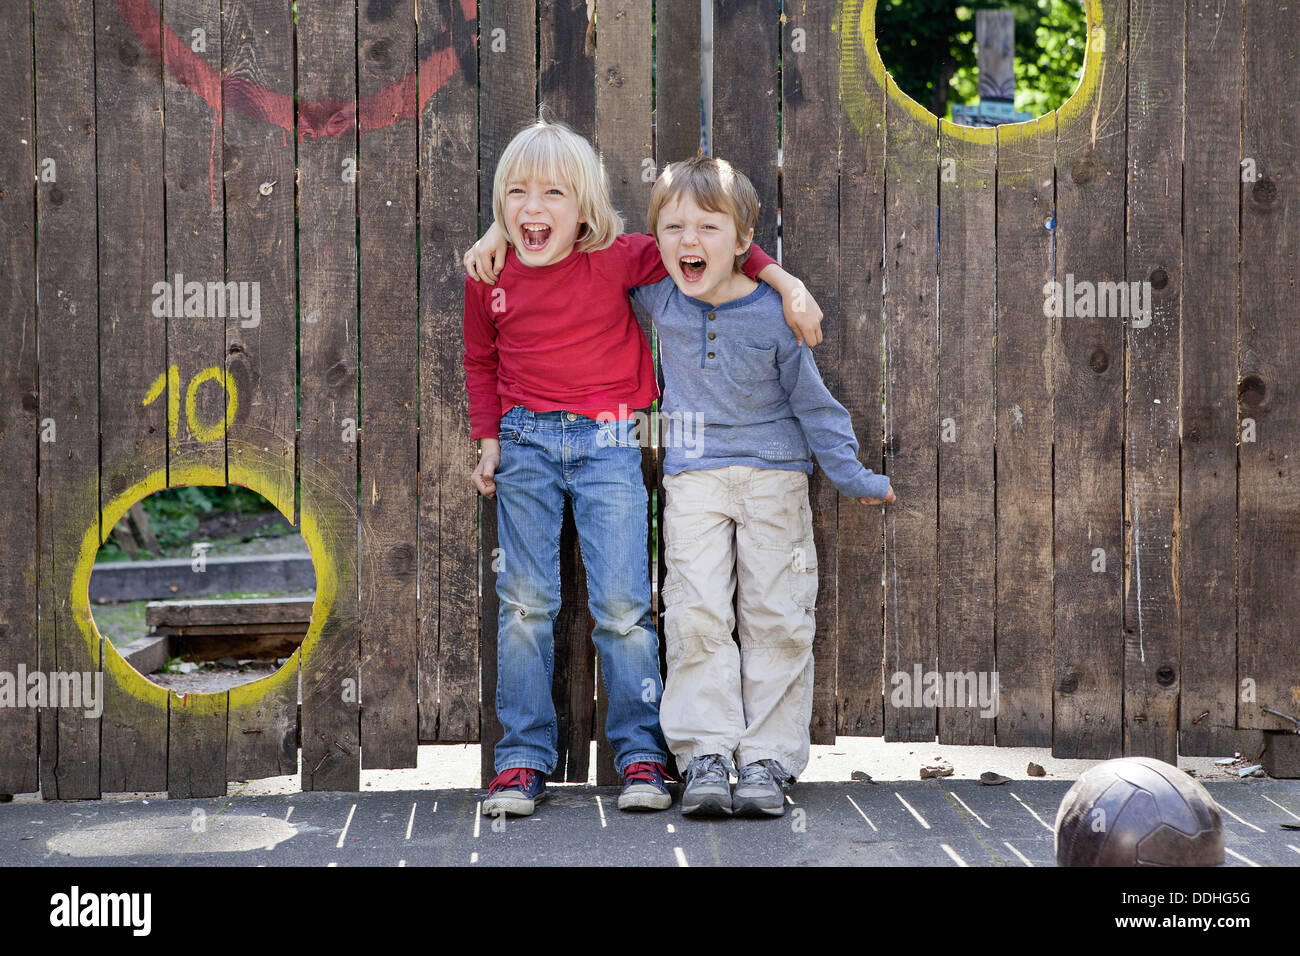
(1102, 508)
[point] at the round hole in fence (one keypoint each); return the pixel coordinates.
(203, 588)
(985, 67)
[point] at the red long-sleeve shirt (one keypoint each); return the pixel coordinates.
(563, 336)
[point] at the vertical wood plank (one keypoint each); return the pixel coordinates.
(386, 186)
(195, 199)
(508, 99)
(1153, 255)
(194, 157)
(257, 60)
(262, 725)
(260, 721)
(1024, 433)
(132, 343)
(449, 570)
(810, 144)
(677, 81)
(1207, 527)
(967, 538)
(746, 87)
(1088, 376)
(132, 337)
(508, 83)
(1268, 388)
(567, 69)
(329, 361)
(859, 538)
(625, 137)
(18, 394)
(66, 266)
(196, 764)
(911, 404)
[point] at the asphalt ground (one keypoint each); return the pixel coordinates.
(939, 823)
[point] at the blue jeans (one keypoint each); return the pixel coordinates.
(546, 456)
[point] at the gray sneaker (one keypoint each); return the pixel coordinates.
(760, 792)
(708, 788)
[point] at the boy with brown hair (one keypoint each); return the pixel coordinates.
(737, 514)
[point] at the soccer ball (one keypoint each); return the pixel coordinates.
(1137, 811)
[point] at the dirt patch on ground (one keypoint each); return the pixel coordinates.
(210, 678)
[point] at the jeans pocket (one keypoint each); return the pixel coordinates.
(618, 434)
(512, 428)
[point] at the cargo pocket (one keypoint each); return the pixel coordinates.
(803, 574)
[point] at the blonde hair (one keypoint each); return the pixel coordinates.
(715, 186)
(552, 152)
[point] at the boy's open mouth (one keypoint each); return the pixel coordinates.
(534, 235)
(692, 267)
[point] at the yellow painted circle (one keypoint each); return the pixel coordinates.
(860, 59)
(131, 680)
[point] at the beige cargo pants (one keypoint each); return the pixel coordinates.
(749, 528)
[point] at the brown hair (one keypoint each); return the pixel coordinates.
(715, 186)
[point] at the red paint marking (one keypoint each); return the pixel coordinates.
(394, 102)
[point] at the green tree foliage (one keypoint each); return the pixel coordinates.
(928, 46)
(174, 513)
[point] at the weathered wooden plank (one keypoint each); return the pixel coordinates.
(491, 730)
(1088, 395)
(329, 359)
(259, 372)
(1024, 433)
(746, 85)
(967, 538)
(810, 211)
(677, 127)
(567, 69)
(1207, 528)
(262, 725)
(625, 137)
(133, 750)
(1268, 574)
(194, 157)
(677, 81)
(911, 405)
(507, 81)
(257, 60)
(196, 751)
(389, 387)
(69, 422)
(133, 737)
(859, 538)
(235, 611)
(1153, 266)
(449, 612)
(132, 320)
(18, 395)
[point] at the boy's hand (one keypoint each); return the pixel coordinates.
(488, 461)
(487, 257)
(802, 313)
(889, 498)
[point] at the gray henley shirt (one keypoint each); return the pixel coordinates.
(738, 390)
